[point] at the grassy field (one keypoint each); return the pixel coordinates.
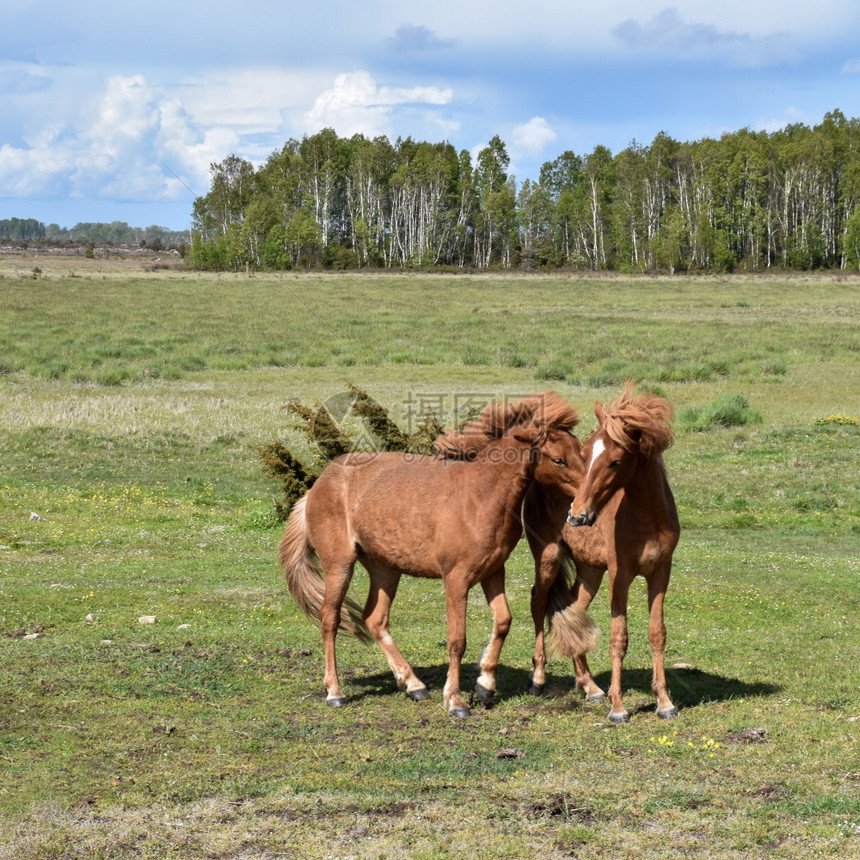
(132, 403)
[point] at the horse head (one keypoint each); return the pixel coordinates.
(537, 428)
(555, 458)
(634, 428)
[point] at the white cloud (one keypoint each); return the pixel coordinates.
(120, 105)
(253, 99)
(115, 149)
(125, 115)
(357, 104)
(532, 137)
(186, 150)
(135, 141)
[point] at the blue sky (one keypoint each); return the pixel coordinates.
(116, 112)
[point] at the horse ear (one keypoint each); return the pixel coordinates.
(525, 437)
(600, 412)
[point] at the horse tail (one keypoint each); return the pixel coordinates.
(305, 576)
(570, 629)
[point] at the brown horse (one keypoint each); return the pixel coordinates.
(454, 516)
(626, 500)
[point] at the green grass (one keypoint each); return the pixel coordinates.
(115, 329)
(205, 734)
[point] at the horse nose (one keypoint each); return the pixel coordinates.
(584, 519)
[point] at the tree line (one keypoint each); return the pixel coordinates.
(750, 200)
(115, 232)
(21, 229)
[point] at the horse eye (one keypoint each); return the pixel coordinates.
(558, 461)
(615, 464)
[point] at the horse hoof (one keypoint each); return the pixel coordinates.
(485, 696)
(336, 701)
(535, 689)
(460, 713)
(619, 719)
(668, 714)
(595, 698)
(418, 695)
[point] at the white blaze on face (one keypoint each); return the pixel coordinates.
(596, 450)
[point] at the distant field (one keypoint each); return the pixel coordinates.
(132, 403)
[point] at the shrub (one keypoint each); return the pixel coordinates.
(774, 368)
(552, 372)
(321, 428)
(728, 410)
(296, 479)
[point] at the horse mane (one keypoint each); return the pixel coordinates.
(542, 413)
(643, 420)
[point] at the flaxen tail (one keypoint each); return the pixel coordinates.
(305, 576)
(571, 630)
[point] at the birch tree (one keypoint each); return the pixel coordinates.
(323, 171)
(493, 200)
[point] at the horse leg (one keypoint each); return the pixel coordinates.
(588, 581)
(383, 588)
(546, 570)
(456, 597)
(494, 591)
(657, 584)
(543, 515)
(619, 590)
(336, 585)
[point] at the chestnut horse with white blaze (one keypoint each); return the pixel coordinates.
(622, 520)
(454, 516)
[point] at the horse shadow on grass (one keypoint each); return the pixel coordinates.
(688, 687)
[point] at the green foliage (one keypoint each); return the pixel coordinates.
(321, 429)
(750, 201)
(774, 367)
(21, 229)
(423, 438)
(555, 372)
(296, 479)
(331, 441)
(117, 232)
(727, 410)
(378, 420)
(852, 240)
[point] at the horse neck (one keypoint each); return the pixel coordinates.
(649, 491)
(508, 461)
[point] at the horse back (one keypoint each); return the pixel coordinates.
(369, 487)
(415, 514)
